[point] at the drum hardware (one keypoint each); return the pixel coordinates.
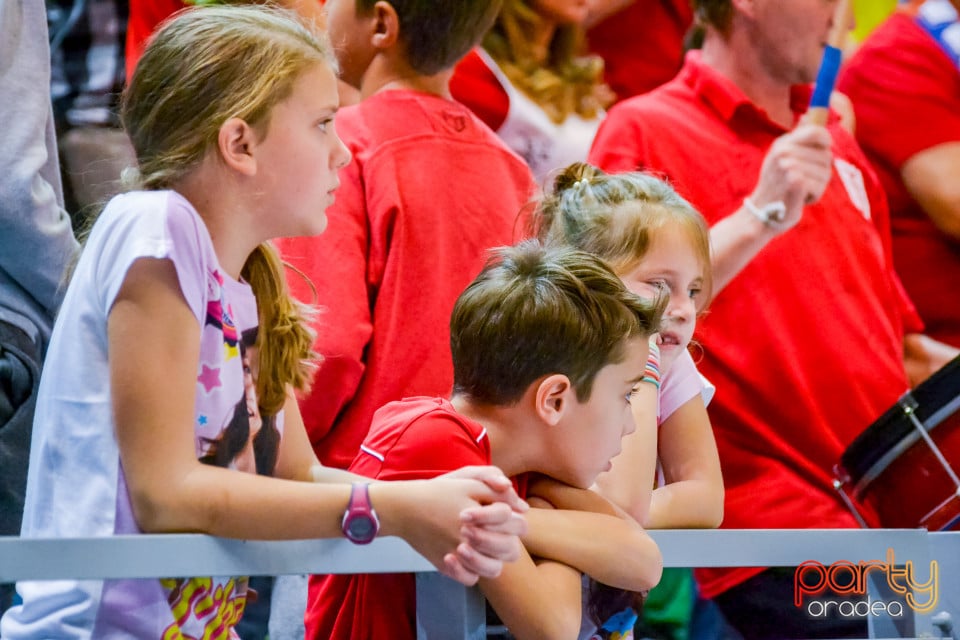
(909, 406)
(838, 485)
(886, 470)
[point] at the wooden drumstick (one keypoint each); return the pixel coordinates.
(830, 64)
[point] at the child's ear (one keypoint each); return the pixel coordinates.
(554, 396)
(745, 6)
(387, 25)
(235, 143)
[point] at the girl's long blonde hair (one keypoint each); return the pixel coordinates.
(566, 83)
(203, 67)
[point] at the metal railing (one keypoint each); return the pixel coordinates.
(447, 610)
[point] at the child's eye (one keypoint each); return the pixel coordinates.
(659, 285)
(695, 292)
(325, 124)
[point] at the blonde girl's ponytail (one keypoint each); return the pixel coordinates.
(285, 340)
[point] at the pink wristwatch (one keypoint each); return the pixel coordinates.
(360, 522)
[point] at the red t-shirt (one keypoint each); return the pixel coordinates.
(906, 96)
(429, 191)
(145, 16)
(805, 344)
(642, 45)
(411, 439)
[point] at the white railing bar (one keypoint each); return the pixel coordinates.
(176, 555)
(145, 556)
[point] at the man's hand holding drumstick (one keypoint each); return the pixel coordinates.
(794, 173)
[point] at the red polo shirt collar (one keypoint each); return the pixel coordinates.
(723, 96)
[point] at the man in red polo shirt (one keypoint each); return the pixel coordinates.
(905, 85)
(805, 339)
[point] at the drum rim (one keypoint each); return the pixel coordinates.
(943, 383)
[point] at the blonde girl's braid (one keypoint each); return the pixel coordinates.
(285, 340)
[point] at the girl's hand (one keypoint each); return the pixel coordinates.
(496, 481)
(490, 532)
(461, 525)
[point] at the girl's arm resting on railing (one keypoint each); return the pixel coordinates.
(488, 533)
(692, 496)
(172, 491)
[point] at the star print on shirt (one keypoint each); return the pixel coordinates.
(209, 378)
(202, 420)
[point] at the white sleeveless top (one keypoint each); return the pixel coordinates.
(530, 132)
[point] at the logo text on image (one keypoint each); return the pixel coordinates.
(844, 578)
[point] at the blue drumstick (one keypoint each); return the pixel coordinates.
(830, 64)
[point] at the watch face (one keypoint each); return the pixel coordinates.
(776, 211)
(360, 524)
(361, 527)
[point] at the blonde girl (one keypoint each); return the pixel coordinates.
(533, 85)
(231, 114)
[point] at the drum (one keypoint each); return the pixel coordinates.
(905, 465)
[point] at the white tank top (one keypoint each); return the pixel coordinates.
(530, 132)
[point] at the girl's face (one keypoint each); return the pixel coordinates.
(562, 12)
(671, 266)
(301, 155)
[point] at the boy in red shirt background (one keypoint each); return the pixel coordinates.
(429, 190)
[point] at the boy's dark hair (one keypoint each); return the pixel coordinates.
(437, 36)
(535, 311)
